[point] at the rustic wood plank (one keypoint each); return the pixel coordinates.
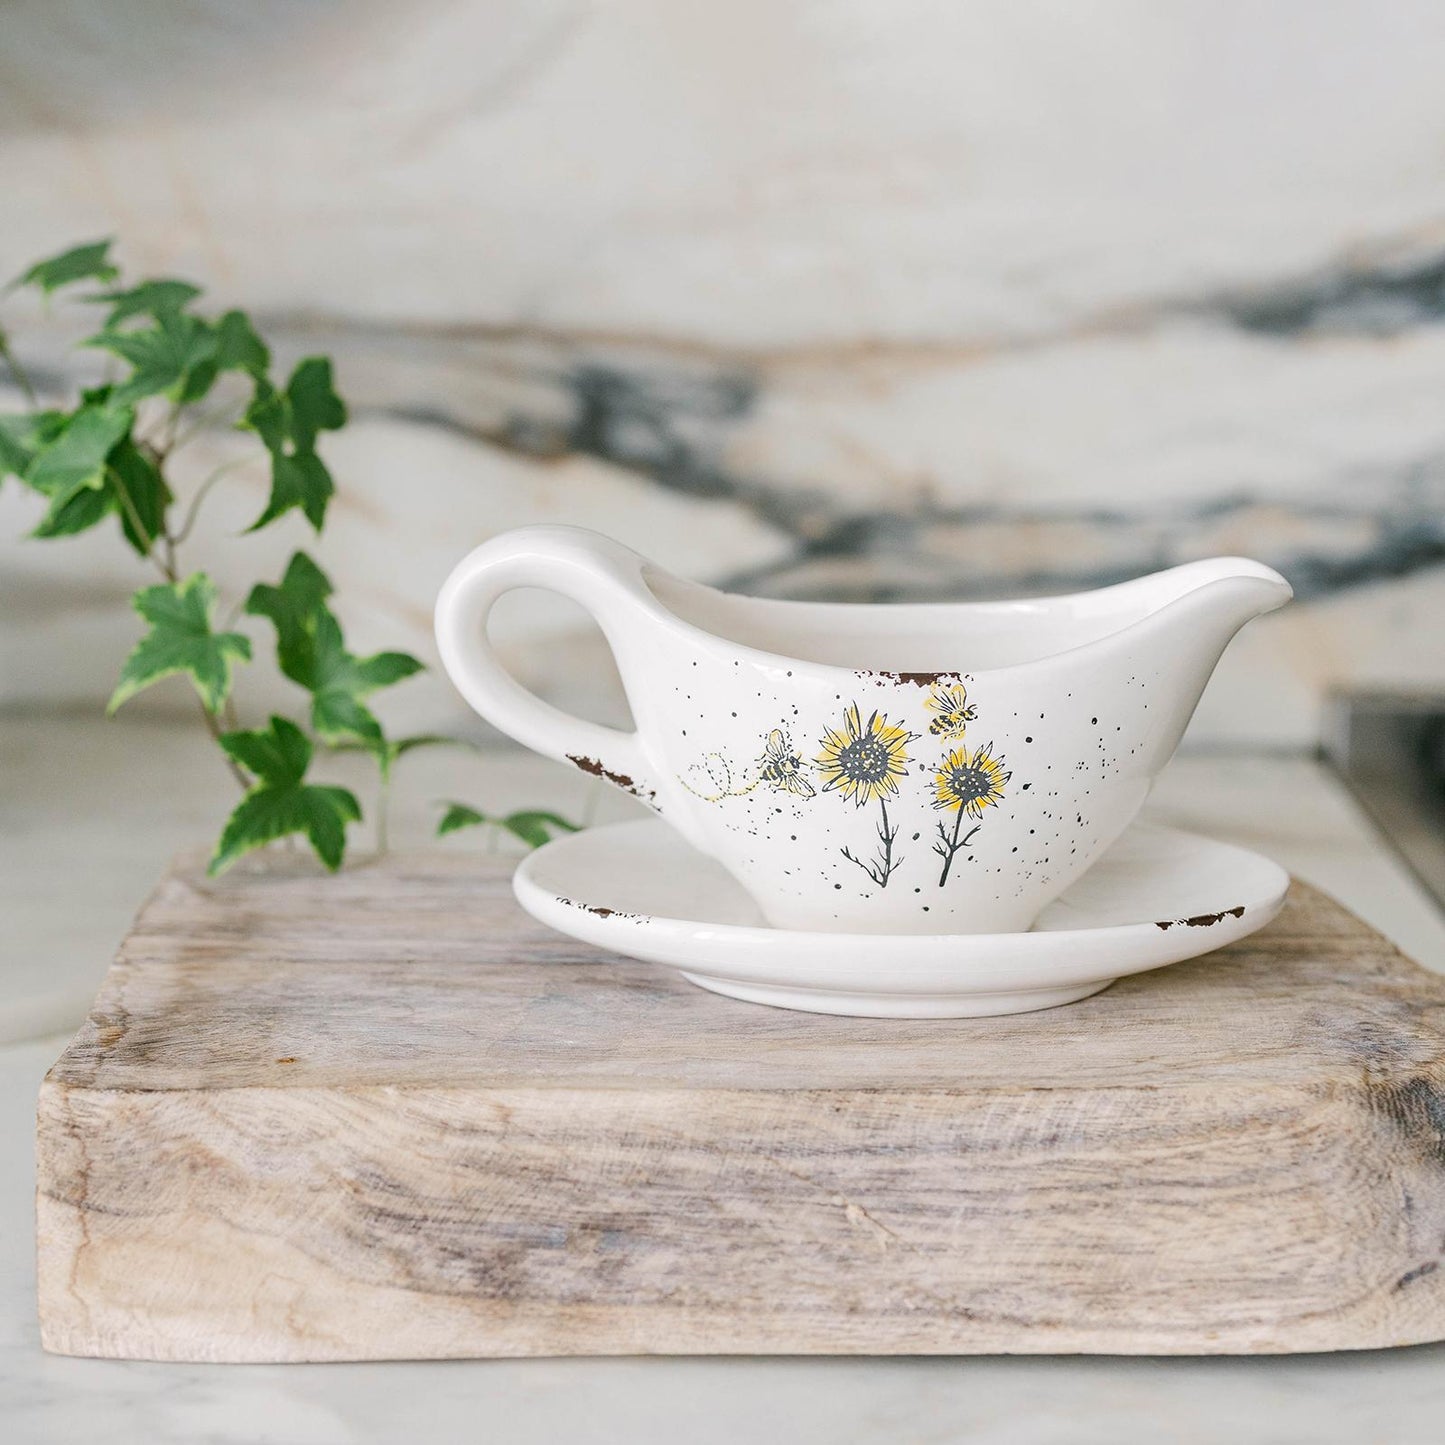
(386, 1115)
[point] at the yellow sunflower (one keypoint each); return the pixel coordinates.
(864, 761)
(969, 782)
(954, 712)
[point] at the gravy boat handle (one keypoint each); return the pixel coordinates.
(600, 575)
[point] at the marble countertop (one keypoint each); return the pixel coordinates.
(91, 812)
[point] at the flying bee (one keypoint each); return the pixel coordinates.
(781, 766)
(954, 711)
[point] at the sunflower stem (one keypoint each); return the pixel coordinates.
(887, 834)
(953, 844)
(952, 847)
(881, 869)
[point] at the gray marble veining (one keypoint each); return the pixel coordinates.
(844, 300)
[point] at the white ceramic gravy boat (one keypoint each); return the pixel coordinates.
(930, 768)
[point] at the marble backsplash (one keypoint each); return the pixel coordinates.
(827, 300)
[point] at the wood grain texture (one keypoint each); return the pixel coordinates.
(386, 1115)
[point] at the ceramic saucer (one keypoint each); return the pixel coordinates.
(1156, 897)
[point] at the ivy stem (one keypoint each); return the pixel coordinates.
(193, 511)
(213, 726)
(383, 808)
(204, 422)
(168, 570)
(172, 425)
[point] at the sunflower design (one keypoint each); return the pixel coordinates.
(965, 782)
(864, 761)
(782, 767)
(953, 711)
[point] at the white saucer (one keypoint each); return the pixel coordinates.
(1156, 897)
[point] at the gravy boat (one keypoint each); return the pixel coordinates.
(913, 768)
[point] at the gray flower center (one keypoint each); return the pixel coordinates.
(864, 760)
(969, 784)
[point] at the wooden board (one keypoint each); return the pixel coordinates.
(386, 1115)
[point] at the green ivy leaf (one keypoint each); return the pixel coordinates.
(292, 607)
(281, 802)
(22, 434)
(279, 754)
(74, 461)
(402, 746)
(150, 298)
(76, 514)
(315, 406)
(301, 480)
(90, 262)
(288, 424)
(459, 816)
(340, 680)
(174, 357)
(341, 714)
(238, 347)
(181, 641)
(535, 827)
(197, 381)
(17, 374)
(75, 455)
(88, 467)
(267, 415)
(140, 493)
(311, 651)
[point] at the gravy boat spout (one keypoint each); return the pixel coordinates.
(930, 768)
(1187, 617)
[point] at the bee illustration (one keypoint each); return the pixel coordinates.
(954, 711)
(782, 767)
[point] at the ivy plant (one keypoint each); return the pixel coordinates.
(106, 458)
